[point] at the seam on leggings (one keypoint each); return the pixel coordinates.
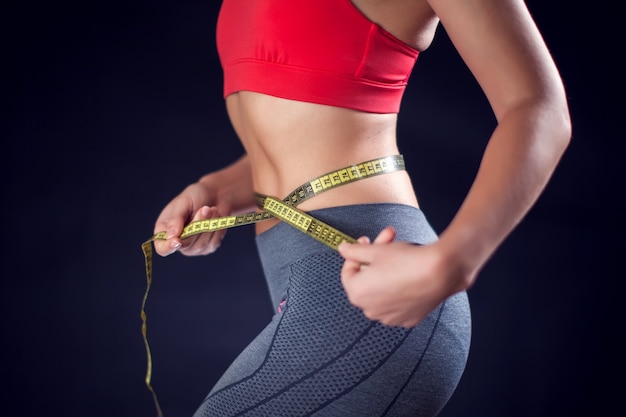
(304, 377)
(419, 362)
(382, 362)
(269, 351)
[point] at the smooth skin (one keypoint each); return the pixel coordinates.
(394, 282)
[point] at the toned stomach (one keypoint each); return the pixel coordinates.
(289, 143)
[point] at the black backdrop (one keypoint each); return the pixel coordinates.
(111, 108)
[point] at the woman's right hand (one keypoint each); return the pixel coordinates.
(196, 202)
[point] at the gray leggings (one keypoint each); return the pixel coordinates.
(320, 356)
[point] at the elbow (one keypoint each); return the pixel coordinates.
(555, 100)
(553, 123)
(562, 127)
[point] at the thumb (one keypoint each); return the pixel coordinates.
(172, 242)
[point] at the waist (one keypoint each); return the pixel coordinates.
(393, 186)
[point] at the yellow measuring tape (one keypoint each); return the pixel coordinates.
(284, 210)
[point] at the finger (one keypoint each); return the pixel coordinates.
(387, 235)
(215, 238)
(356, 252)
(172, 241)
(363, 240)
(350, 268)
(171, 220)
(208, 242)
(193, 244)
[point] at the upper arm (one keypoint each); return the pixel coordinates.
(501, 45)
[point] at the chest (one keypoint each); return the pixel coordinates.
(411, 21)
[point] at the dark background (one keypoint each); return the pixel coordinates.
(111, 108)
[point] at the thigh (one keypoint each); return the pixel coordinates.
(320, 355)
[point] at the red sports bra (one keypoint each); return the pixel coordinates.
(319, 51)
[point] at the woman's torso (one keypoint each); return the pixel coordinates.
(290, 142)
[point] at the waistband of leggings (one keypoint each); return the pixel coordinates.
(285, 244)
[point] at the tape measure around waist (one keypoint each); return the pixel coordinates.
(284, 210)
(304, 192)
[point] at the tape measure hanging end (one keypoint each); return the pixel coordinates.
(193, 228)
(146, 247)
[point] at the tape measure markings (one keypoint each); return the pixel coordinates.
(306, 223)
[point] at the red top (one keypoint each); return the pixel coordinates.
(318, 51)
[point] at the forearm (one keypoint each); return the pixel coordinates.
(232, 186)
(517, 164)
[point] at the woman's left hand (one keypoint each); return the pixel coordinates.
(397, 283)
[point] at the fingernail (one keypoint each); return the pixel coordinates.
(171, 232)
(175, 245)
